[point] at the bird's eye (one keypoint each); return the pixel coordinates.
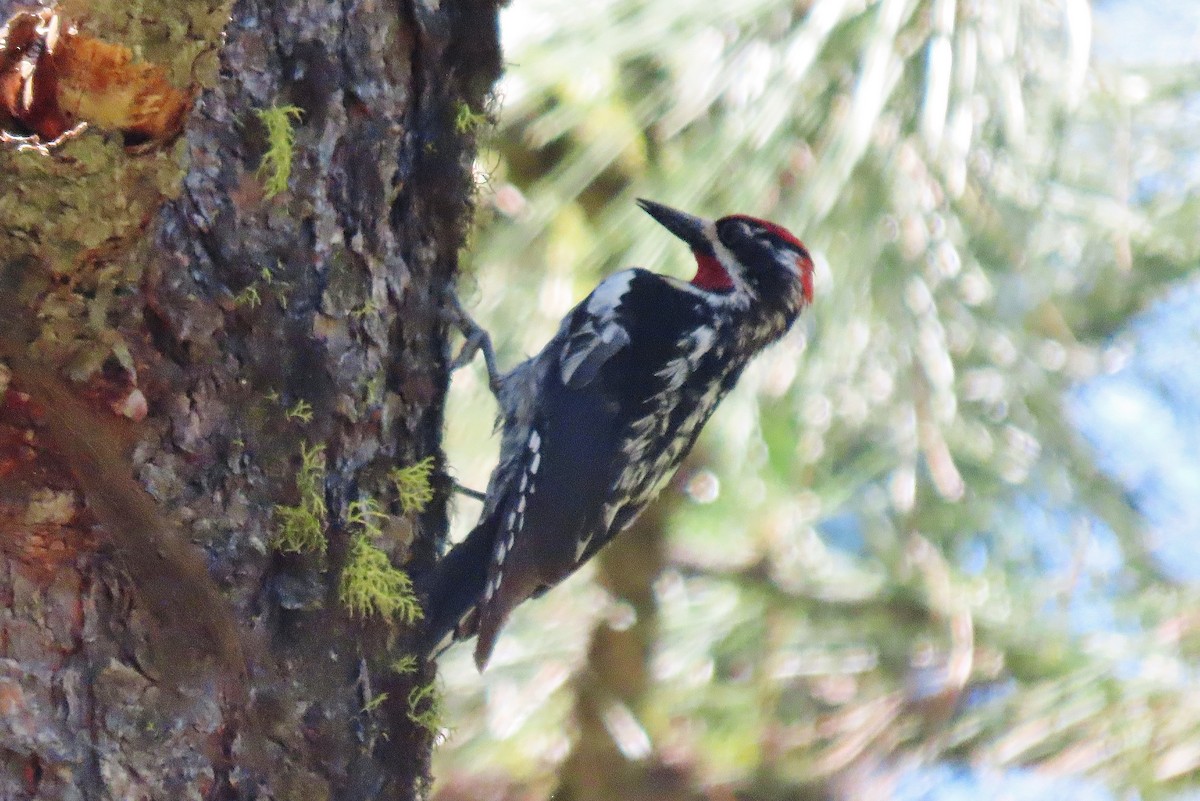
(736, 231)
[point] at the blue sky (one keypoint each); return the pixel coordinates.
(1144, 423)
(1146, 32)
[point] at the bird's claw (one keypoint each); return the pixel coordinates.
(476, 340)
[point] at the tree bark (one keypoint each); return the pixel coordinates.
(173, 341)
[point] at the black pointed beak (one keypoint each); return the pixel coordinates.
(685, 226)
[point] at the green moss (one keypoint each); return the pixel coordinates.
(248, 298)
(48, 204)
(405, 665)
(183, 38)
(366, 514)
(302, 411)
(467, 121)
(368, 308)
(371, 584)
(301, 528)
(374, 703)
(412, 485)
(276, 166)
(425, 707)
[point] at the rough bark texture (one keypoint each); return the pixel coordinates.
(152, 643)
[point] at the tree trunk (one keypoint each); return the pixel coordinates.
(184, 354)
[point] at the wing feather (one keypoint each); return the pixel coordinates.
(595, 332)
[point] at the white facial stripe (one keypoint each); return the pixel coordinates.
(729, 263)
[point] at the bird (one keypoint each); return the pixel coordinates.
(596, 423)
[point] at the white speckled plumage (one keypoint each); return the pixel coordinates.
(601, 417)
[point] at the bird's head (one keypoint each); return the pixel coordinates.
(740, 254)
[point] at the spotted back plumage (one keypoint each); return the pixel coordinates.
(597, 422)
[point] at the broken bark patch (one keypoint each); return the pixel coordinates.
(54, 80)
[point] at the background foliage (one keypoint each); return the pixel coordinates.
(912, 553)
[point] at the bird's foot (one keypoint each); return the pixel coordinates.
(477, 340)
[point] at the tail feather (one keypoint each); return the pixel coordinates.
(492, 616)
(455, 586)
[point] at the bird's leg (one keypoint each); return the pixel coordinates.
(477, 339)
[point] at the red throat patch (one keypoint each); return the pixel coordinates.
(710, 274)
